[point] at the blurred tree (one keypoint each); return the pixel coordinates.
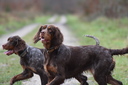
(90, 8)
(60, 6)
(109, 8)
(20, 5)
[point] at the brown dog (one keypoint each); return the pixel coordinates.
(64, 62)
(31, 59)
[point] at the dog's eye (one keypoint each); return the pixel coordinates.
(8, 39)
(49, 30)
(14, 42)
(11, 43)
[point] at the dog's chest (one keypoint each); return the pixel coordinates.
(50, 67)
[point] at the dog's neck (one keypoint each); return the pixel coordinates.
(47, 45)
(50, 48)
(23, 52)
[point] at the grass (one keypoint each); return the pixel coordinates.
(41, 19)
(111, 33)
(105, 30)
(10, 65)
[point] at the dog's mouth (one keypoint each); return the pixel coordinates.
(44, 40)
(9, 52)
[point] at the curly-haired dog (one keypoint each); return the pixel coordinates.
(31, 59)
(64, 61)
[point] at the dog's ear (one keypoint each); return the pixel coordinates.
(57, 37)
(20, 45)
(37, 36)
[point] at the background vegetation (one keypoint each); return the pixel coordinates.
(90, 8)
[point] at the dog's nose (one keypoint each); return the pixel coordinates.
(3, 46)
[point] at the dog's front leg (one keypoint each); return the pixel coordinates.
(59, 77)
(43, 78)
(82, 79)
(57, 80)
(24, 75)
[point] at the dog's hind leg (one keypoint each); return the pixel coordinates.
(82, 79)
(100, 71)
(100, 79)
(113, 81)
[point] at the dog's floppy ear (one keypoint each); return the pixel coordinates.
(57, 37)
(20, 45)
(37, 36)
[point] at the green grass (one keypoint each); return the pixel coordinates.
(41, 19)
(111, 33)
(10, 65)
(105, 30)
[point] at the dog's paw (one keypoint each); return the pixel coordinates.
(12, 81)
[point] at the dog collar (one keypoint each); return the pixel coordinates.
(52, 49)
(24, 52)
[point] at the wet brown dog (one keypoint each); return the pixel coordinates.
(31, 59)
(64, 61)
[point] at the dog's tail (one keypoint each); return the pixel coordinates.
(97, 41)
(119, 51)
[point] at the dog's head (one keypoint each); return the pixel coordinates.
(49, 34)
(14, 45)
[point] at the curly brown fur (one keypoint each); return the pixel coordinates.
(64, 61)
(31, 59)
